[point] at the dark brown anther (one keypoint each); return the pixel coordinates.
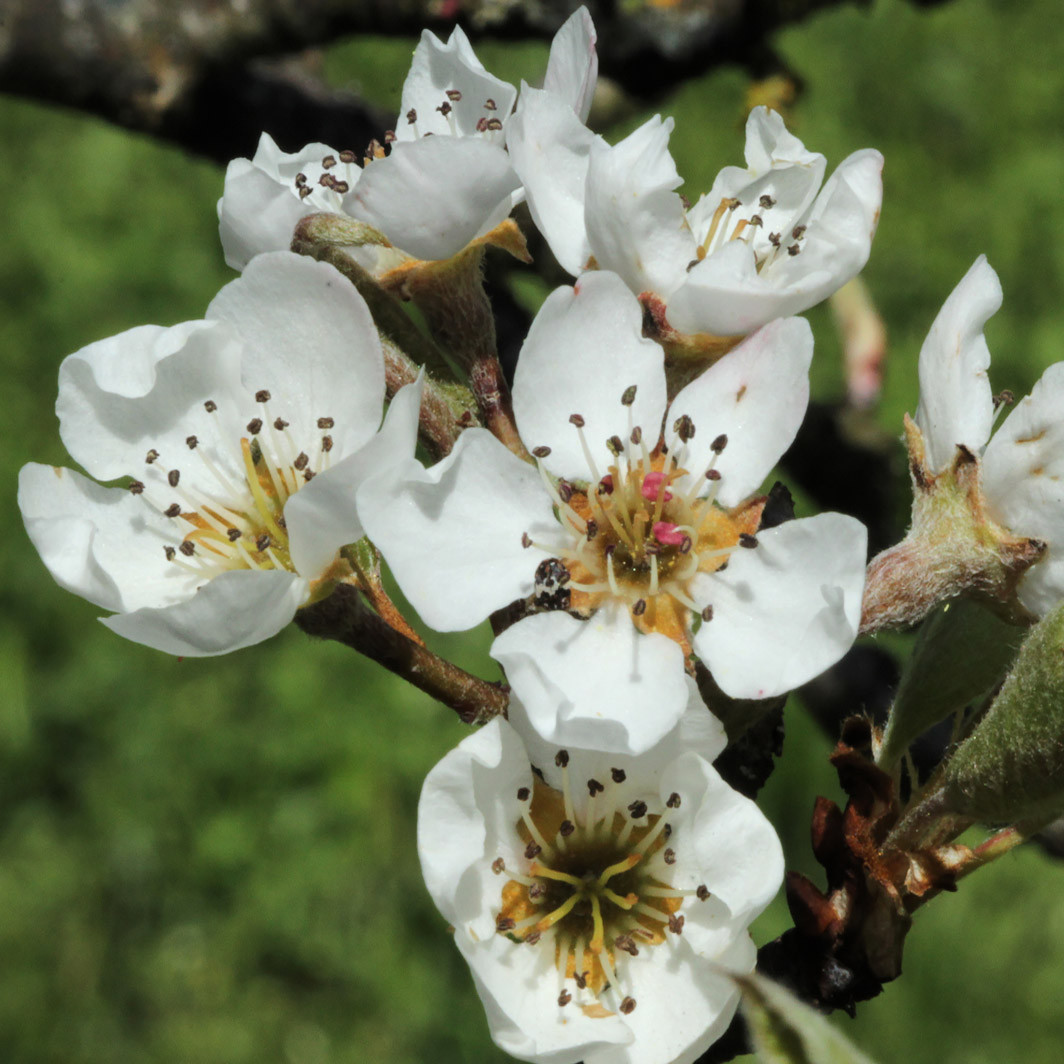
(719, 443)
(411, 116)
(187, 548)
(628, 395)
(232, 534)
(676, 922)
(541, 452)
(537, 890)
(639, 607)
(210, 406)
(347, 156)
(173, 510)
(684, 427)
(504, 923)
(533, 850)
(490, 105)
(173, 477)
(577, 420)
(301, 179)
(793, 250)
(580, 978)
(565, 490)
(627, 943)
(755, 220)
(526, 540)
(692, 264)
(494, 125)
(628, 1006)
(341, 187)
(564, 998)
(748, 541)
(673, 801)
(566, 828)
(594, 787)
(774, 239)
(670, 856)
(561, 758)
(328, 162)
(498, 865)
(445, 108)
(766, 202)
(615, 445)
(592, 529)
(522, 794)
(263, 542)
(191, 442)
(136, 487)
(151, 456)
(707, 613)
(798, 232)
(280, 424)
(712, 474)
(254, 426)
(304, 192)
(637, 810)
(702, 893)
(309, 475)
(685, 545)
(325, 423)
(454, 95)
(262, 396)
(302, 460)
(666, 831)
(533, 938)
(1004, 398)
(482, 124)
(618, 775)
(169, 552)
(326, 443)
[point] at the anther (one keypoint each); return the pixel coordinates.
(628, 396)
(774, 239)
(605, 485)
(594, 787)
(173, 510)
(411, 116)
(719, 443)
(537, 890)
(210, 406)
(561, 758)
(615, 445)
(490, 105)
(522, 794)
(702, 893)
(232, 534)
(262, 396)
(564, 998)
(565, 491)
(498, 866)
(173, 477)
(326, 443)
(301, 179)
(347, 156)
(627, 943)
(533, 938)
(309, 475)
(712, 474)
(326, 180)
(637, 435)
(494, 125)
(766, 202)
(577, 420)
(673, 801)
(580, 978)
(280, 424)
(628, 1006)
(191, 442)
(533, 850)
(136, 487)
(793, 250)
(169, 552)
(755, 220)
(541, 452)
(389, 136)
(639, 607)
(707, 613)
(301, 461)
(187, 548)
(798, 232)
(304, 192)
(684, 427)
(1004, 398)
(445, 108)
(504, 924)
(325, 423)
(328, 162)
(254, 426)
(454, 95)
(618, 775)
(747, 540)
(685, 545)
(341, 187)
(592, 530)
(151, 456)
(670, 856)
(637, 810)
(676, 922)
(263, 542)
(566, 828)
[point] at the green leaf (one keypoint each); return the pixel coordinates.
(786, 1031)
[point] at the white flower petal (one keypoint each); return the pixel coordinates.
(322, 516)
(756, 395)
(584, 349)
(956, 405)
(596, 683)
(437, 69)
(234, 610)
(572, 68)
(103, 544)
(309, 340)
(786, 610)
(121, 396)
(634, 218)
(433, 196)
(452, 534)
(549, 149)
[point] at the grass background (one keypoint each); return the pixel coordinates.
(213, 861)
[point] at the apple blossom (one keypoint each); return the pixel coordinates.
(445, 179)
(599, 900)
(651, 536)
(765, 242)
(245, 434)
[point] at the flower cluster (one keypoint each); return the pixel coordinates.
(607, 515)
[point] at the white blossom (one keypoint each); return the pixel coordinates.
(648, 529)
(600, 902)
(445, 179)
(245, 435)
(765, 242)
(1022, 464)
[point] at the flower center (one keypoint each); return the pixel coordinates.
(641, 532)
(593, 888)
(228, 512)
(755, 230)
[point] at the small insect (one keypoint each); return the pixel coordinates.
(550, 592)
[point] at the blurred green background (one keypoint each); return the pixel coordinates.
(213, 861)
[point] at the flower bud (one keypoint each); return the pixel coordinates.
(1011, 768)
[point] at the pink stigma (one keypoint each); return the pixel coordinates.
(668, 535)
(651, 486)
